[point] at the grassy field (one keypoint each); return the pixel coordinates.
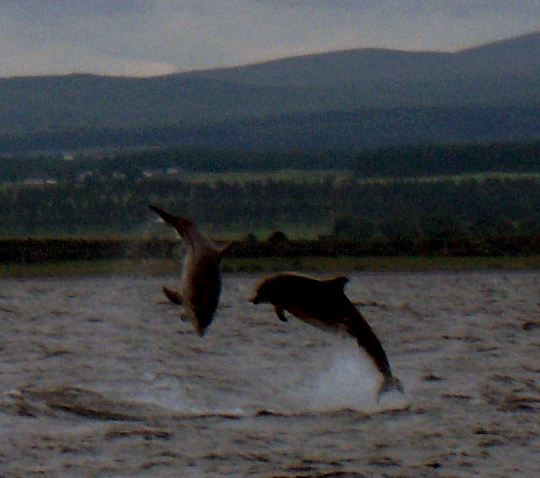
(328, 265)
(317, 176)
(290, 175)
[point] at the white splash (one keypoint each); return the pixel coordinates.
(352, 382)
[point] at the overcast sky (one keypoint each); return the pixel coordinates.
(152, 37)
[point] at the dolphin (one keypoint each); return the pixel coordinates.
(323, 304)
(200, 283)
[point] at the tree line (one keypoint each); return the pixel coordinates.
(36, 251)
(396, 162)
(343, 208)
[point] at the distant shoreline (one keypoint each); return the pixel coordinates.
(28, 257)
(323, 265)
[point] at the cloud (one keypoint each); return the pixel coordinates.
(59, 9)
(59, 59)
(146, 36)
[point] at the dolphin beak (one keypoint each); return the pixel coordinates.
(255, 299)
(168, 218)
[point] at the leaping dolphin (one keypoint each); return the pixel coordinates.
(323, 304)
(200, 283)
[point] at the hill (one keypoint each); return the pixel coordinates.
(357, 99)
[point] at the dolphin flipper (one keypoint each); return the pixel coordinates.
(172, 295)
(280, 313)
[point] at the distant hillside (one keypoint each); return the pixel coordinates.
(519, 56)
(358, 99)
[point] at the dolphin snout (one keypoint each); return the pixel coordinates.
(255, 299)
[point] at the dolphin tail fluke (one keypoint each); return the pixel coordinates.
(390, 383)
(223, 251)
(172, 295)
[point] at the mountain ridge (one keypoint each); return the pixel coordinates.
(251, 100)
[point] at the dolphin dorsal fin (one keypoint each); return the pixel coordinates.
(338, 282)
(223, 250)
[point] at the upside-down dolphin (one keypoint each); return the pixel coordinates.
(323, 303)
(200, 283)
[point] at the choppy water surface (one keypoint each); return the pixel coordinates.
(99, 377)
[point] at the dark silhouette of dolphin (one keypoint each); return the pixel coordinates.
(200, 283)
(323, 303)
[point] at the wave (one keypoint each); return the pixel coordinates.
(90, 404)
